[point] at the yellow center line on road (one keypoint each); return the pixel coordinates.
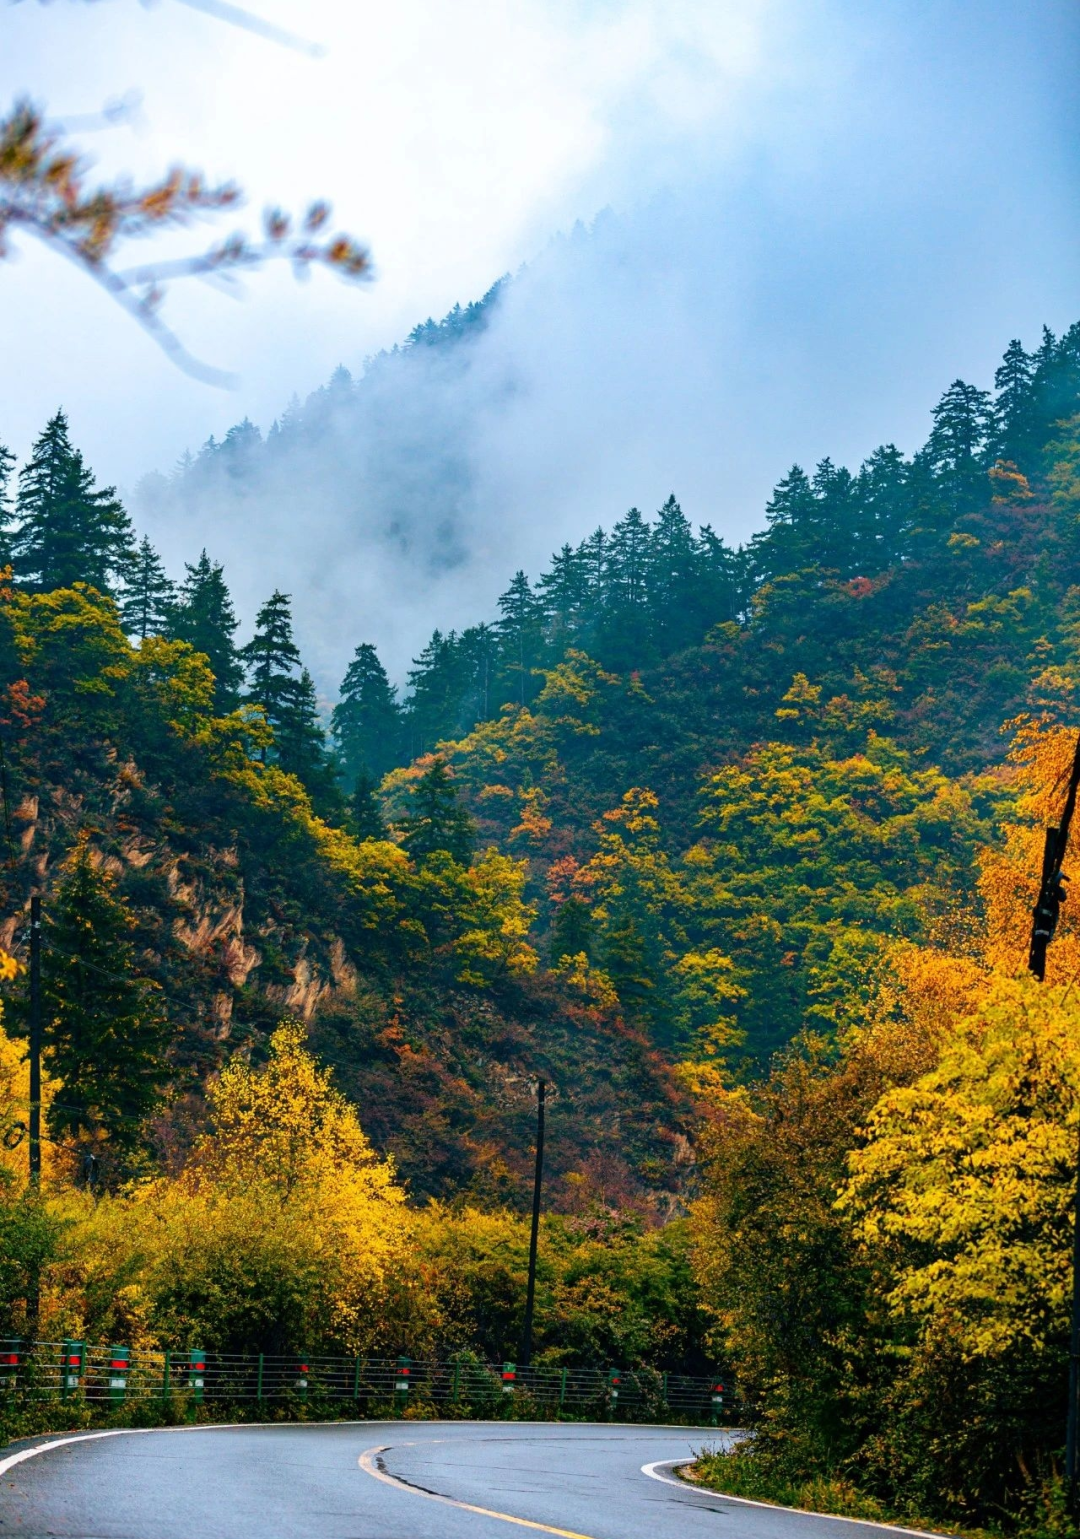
(368, 1462)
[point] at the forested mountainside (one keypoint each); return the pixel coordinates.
(636, 833)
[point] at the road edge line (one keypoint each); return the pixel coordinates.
(747, 1501)
(368, 1463)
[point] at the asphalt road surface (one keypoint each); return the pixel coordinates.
(382, 1480)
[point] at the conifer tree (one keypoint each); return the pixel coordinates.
(520, 632)
(564, 598)
(148, 603)
(300, 744)
(672, 580)
(792, 541)
(104, 1030)
(1014, 427)
(366, 722)
(478, 656)
(7, 465)
(836, 515)
(884, 510)
(436, 820)
(68, 531)
(957, 446)
(572, 930)
(365, 819)
(272, 660)
(625, 624)
(205, 618)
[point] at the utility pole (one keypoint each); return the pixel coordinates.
(1044, 922)
(538, 1177)
(35, 1039)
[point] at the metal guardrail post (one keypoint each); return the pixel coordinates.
(119, 1368)
(72, 1361)
(166, 1371)
(401, 1384)
(197, 1374)
(562, 1390)
(260, 1369)
(456, 1391)
(10, 1354)
(356, 1378)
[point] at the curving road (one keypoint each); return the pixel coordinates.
(381, 1480)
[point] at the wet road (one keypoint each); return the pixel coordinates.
(382, 1480)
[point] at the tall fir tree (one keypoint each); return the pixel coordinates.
(272, 659)
(625, 622)
(204, 617)
(1015, 430)
(7, 466)
(958, 446)
(672, 578)
(792, 541)
(104, 1028)
(564, 599)
(300, 741)
(68, 529)
(366, 722)
(520, 631)
(148, 602)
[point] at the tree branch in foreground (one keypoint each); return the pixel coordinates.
(44, 191)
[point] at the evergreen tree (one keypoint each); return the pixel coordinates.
(564, 598)
(672, 580)
(957, 446)
(366, 722)
(205, 618)
(573, 930)
(272, 660)
(300, 743)
(625, 623)
(836, 516)
(723, 585)
(436, 820)
(104, 1032)
(7, 465)
(435, 689)
(792, 541)
(593, 554)
(69, 531)
(478, 661)
(148, 603)
(1014, 427)
(883, 496)
(365, 819)
(520, 632)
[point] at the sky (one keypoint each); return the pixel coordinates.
(809, 216)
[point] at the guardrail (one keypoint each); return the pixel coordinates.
(109, 1377)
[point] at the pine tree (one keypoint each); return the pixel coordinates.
(520, 632)
(300, 743)
(672, 578)
(104, 1031)
(957, 446)
(573, 930)
(7, 465)
(366, 722)
(69, 531)
(564, 598)
(793, 539)
(436, 821)
(205, 618)
(435, 689)
(478, 660)
(1014, 428)
(625, 622)
(148, 603)
(883, 494)
(837, 515)
(272, 660)
(365, 819)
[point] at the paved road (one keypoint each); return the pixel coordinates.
(357, 1480)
